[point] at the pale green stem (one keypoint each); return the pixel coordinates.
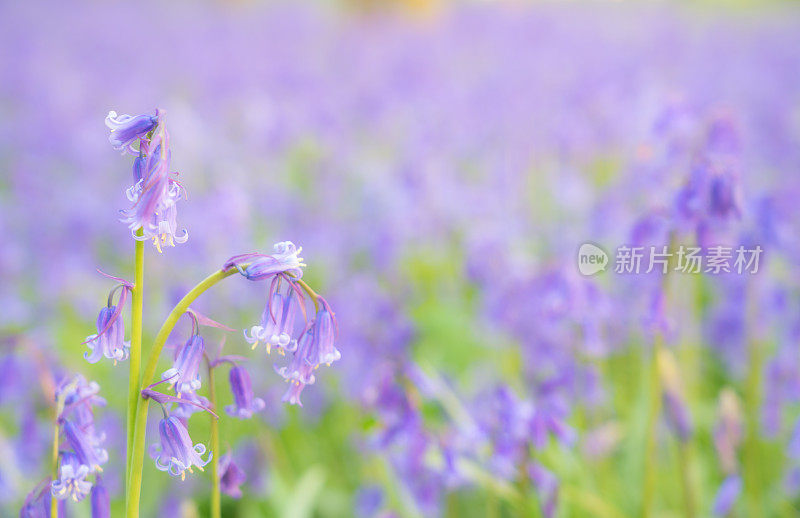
(216, 500)
(752, 455)
(137, 300)
(684, 459)
(654, 410)
(137, 454)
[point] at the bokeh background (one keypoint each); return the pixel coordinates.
(440, 164)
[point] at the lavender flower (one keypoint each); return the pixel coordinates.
(285, 259)
(72, 481)
(727, 495)
(109, 341)
(315, 347)
(154, 192)
(300, 372)
(101, 506)
(232, 477)
(175, 453)
(127, 130)
(85, 445)
(245, 405)
(184, 374)
(277, 324)
(37, 503)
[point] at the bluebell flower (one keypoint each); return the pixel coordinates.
(277, 324)
(155, 191)
(300, 371)
(126, 130)
(37, 502)
(185, 372)
(109, 341)
(85, 444)
(101, 505)
(315, 347)
(175, 452)
(245, 404)
(232, 477)
(77, 397)
(284, 259)
(726, 496)
(71, 481)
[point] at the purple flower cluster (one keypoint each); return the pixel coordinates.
(82, 454)
(315, 344)
(155, 191)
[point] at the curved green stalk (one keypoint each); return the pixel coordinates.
(137, 453)
(137, 301)
(216, 500)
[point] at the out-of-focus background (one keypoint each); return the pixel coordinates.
(441, 164)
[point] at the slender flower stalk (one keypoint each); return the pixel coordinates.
(216, 500)
(134, 381)
(137, 454)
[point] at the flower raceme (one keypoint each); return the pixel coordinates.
(82, 454)
(155, 192)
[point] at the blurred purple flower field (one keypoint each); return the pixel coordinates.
(441, 169)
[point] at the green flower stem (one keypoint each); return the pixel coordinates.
(654, 410)
(135, 359)
(752, 455)
(685, 460)
(137, 454)
(216, 500)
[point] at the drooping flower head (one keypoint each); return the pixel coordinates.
(315, 347)
(245, 403)
(109, 341)
(232, 477)
(71, 481)
(284, 259)
(175, 452)
(300, 372)
(101, 505)
(85, 445)
(277, 324)
(37, 503)
(184, 374)
(127, 131)
(155, 191)
(75, 398)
